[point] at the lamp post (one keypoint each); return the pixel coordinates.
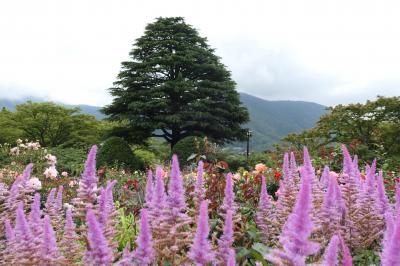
(248, 135)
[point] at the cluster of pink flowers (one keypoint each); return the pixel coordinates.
(351, 213)
(51, 171)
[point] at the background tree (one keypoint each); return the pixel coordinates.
(371, 129)
(51, 124)
(175, 86)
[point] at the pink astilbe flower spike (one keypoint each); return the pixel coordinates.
(285, 167)
(229, 199)
(232, 258)
(324, 180)
(25, 249)
(126, 259)
(176, 194)
(58, 203)
(98, 252)
(35, 216)
(26, 174)
(149, 189)
(87, 191)
(50, 198)
(293, 165)
(295, 234)
(331, 252)
(383, 199)
(347, 161)
(201, 251)
(49, 253)
(226, 240)
(389, 225)
(397, 199)
(347, 260)
(9, 231)
(144, 253)
(159, 197)
(69, 242)
(265, 215)
(199, 191)
(390, 254)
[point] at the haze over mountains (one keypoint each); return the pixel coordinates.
(270, 121)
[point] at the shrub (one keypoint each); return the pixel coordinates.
(145, 157)
(188, 147)
(116, 152)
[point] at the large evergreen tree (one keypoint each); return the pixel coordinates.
(175, 86)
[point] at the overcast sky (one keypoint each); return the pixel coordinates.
(328, 52)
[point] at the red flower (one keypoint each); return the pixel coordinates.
(277, 175)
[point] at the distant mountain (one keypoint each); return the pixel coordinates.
(270, 121)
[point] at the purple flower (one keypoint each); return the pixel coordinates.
(149, 189)
(232, 258)
(383, 199)
(144, 253)
(176, 196)
(200, 251)
(325, 177)
(9, 231)
(347, 161)
(298, 227)
(229, 199)
(58, 203)
(293, 165)
(390, 254)
(158, 199)
(226, 240)
(126, 259)
(347, 260)
(50, 254)
(98, 253)
(331, 252)
(199, 190)
(285, 167)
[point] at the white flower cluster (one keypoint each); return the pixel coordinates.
(32, 146)
(51, 159)
(34, 183)
(51, 172)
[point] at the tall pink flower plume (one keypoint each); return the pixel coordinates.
(126, 259)
(331, 252)
(229, 199)
(144, 253)
(232, 258)
(49, 253)
(347, 260)
(293, 165)
(199, 190)
(325, 177)
(383, 199)
(201, 251)
(149, 189)
(285, 166)
(26, 174)
(69, 242)
(390, 254)
(88, 184)
(176, 196)
(98, 252)
(58, 203)
(226, 240)
(158, 199)
(397, 198)
(347, 161)
(25, 246)
(35, 216)
(298, 227)
(50, 198)
(9, 231)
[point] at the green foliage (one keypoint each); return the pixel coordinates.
(127, 229)
(174, 86)
(50, 124)
(187, 147)
(116, 152)
(371, 130)
(146, 157)
(71, 160)
(366, 257)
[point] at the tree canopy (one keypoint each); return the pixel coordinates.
(50, 124)
(371, 129)
(175, 86)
